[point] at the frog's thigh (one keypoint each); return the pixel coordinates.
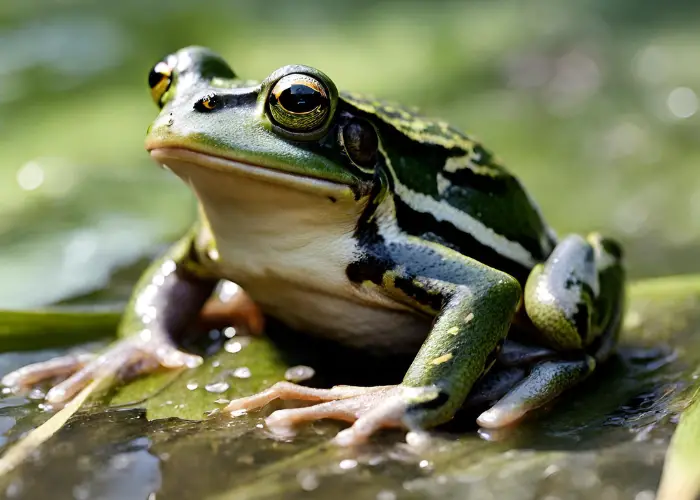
(546, 381)
(578, 292)
(560, 295)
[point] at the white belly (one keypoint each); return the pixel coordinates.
(289, 251)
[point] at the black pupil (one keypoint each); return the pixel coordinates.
(300, 98)
(154, 78)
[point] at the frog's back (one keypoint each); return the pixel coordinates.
(451, 190)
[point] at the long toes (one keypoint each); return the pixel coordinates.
(110, 361)
(389, 414)
(289, 391)
(126, 359)
(53, 368)
(338, 410)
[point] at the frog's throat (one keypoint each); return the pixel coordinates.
(181, 159)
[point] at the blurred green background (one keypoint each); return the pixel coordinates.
(594, 104)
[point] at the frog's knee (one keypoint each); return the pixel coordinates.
(560, 294)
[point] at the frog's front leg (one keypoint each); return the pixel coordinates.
(167, 299)
(575, 301)
(474, 305)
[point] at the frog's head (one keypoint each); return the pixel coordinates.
(287, 130)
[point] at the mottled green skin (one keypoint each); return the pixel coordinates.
(445, 230)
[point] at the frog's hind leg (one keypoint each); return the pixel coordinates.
(575, 300)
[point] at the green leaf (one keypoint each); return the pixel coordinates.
(34, 330)
(192, 394)
(681, 475)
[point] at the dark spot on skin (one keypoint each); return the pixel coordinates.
(581, 321)
(441, 399)
(333, 200)
(613, 248)
(571, 282)
(420, 295)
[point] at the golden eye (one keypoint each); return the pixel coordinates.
(159, 79)
(299, 103)
(208, 103)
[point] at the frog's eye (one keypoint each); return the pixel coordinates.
(159, 79)
(299, 103)
(360, 141)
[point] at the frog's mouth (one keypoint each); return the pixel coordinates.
(181, 160)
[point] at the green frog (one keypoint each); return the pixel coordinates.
(363, 222)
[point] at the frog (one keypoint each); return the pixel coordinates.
(367, 224)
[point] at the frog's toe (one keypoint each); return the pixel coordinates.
(59, 367)
(377, 408)
(289, 391)
(545, 382)
(125, 359)
(370, 408)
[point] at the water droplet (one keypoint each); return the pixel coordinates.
(347, 464)
(550, 470)
(386, 495)
(242, 372)
(45, 407)
(227, 289)
(424, 464)
(14, 489)
(36, 393)
(192, 385)
(417, 439)
(299, 373)
(217, 387)
(307, 480)
(216, 364)
(222, 401)
(229, 332)
(234, 346)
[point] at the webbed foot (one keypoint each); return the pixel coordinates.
(368, 408)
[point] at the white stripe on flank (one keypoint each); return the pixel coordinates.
(443, 211)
